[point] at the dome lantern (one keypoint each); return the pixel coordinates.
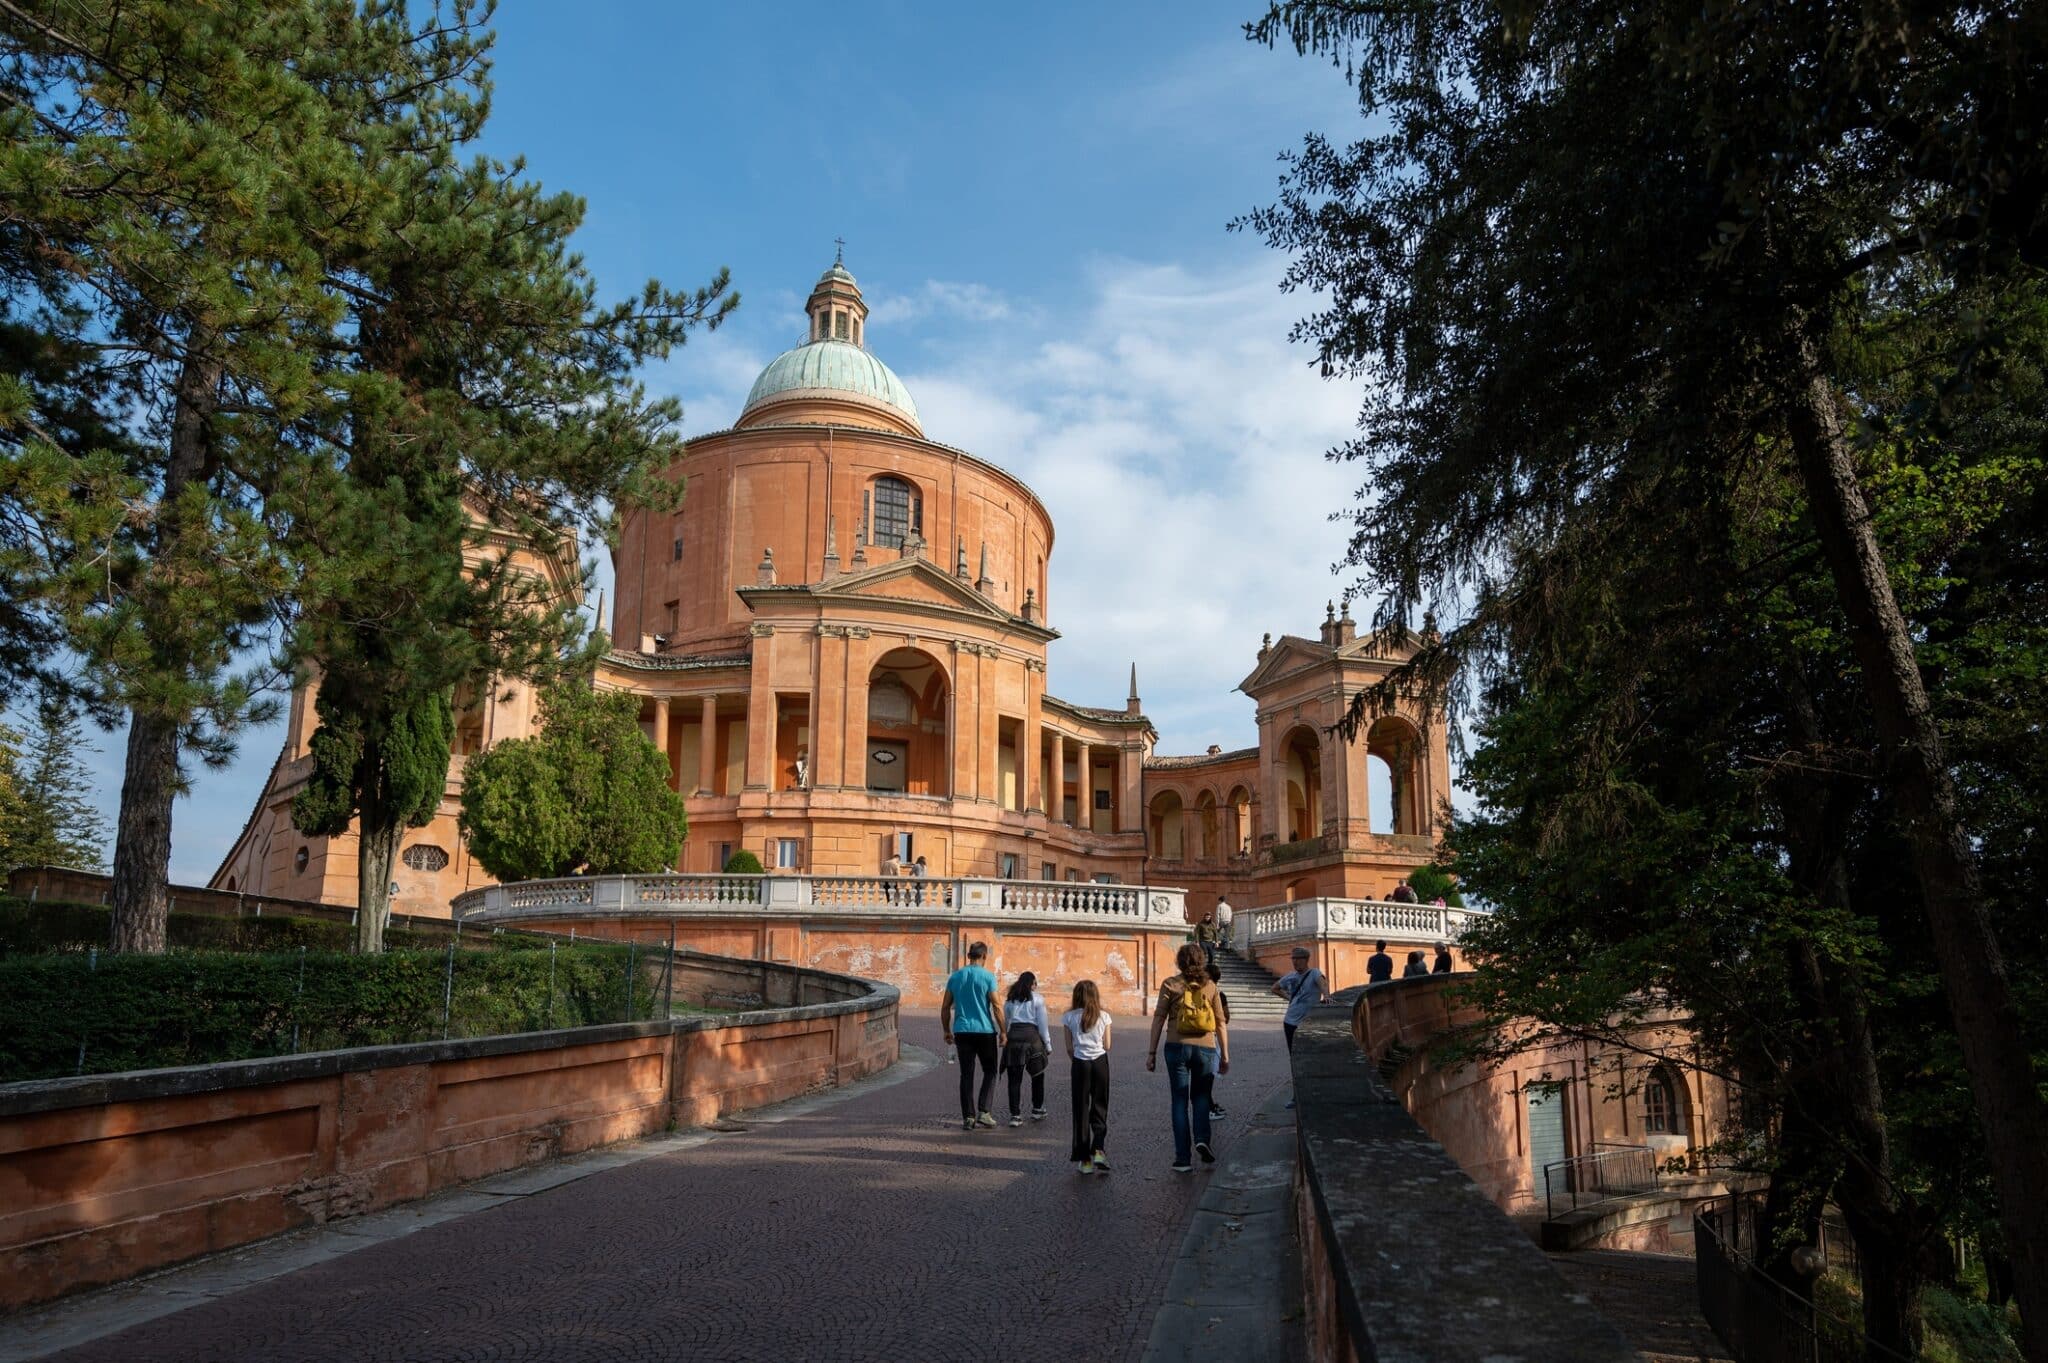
(831, 376)
(837, 311)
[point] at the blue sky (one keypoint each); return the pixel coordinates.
(1034, 201)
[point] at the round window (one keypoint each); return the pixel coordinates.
(300, 861)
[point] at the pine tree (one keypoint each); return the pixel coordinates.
(58, 823)
(191, 173)
(491, 413)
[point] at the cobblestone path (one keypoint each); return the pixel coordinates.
(875, 1229)
(1650, 1298)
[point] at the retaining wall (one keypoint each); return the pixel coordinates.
(107, 1176)
(1466, 1282)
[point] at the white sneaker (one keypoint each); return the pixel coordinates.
(1085, 1167)
(1017, 1120)
(1037, 1114)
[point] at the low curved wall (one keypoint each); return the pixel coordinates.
(107, 1176)
(910, 934)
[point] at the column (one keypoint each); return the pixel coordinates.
(707, 747)
(990, 665)
(1084, 786)
(1056, 797)
(1272, 807)
(668, 759)
(761, 712)
(1032, 739)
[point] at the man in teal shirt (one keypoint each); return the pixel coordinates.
(973, 1025)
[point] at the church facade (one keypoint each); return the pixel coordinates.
(841, 643)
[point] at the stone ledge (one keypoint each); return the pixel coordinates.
(1418, 1264)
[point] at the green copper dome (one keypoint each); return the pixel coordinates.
(831, 369)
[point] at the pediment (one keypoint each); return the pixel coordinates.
(1291, 654)
(914, 580)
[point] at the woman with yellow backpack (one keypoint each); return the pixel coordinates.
(1197, 1051)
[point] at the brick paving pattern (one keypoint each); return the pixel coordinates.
(1650, 1298)
(875, 1229)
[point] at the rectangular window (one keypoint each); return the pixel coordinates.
(903, 849)
(674, 612)
(675, 550)
(724, 855)
(839, 325)
(1049, 871)
(786, 853)
(1009, 865)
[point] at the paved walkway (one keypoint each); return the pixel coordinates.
(872, 1228)
(1652, 1298)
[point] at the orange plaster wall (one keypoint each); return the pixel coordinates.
(100, 1191)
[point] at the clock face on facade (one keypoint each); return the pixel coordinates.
(883, 755)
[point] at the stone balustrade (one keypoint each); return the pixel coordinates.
(1359, 920)
(961, 898)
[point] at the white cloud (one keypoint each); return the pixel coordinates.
(1177, 440)
(941, 298)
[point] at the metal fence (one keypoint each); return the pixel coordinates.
(1759, 1319)
(1609, 1171)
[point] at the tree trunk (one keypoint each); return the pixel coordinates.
(1915, 771)
(140, 898)
(376, 854)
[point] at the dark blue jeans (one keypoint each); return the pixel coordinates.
(1190, 1075)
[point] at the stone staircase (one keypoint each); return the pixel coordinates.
(1249, 986)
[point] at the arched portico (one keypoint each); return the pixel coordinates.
(1302, 769)
(1168, 826)
(1394, 755)
(906, 749)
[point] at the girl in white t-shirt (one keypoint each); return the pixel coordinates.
(1087, 1029)
(1030, 1047)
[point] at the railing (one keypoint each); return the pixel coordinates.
(1760, 1320)
(1360, 919)
(663, 896)
(1615, 1171)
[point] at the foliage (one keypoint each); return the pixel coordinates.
(46, 925)
(202, 1007)
(47, 814)
(742, 863)
(1705, 347)
(588, 793)
(1433, 882)
(1963, 1330)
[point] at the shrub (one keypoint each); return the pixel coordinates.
(1433, 882)
(743, 863)
(62, 1014)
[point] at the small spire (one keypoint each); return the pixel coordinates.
(831, 548)
(1131, 705)
(764, 575)
(1030, 609)
(1134, 681)
(960, 557)
(984, 584)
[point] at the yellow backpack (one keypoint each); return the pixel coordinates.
(1193, 1015)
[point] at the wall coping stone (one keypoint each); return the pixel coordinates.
(90, 1090)
(1427, 1267)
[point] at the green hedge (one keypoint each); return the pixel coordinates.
(199, 1007)
(51, 926)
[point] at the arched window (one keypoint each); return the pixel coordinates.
(1660, 1103)
(839, 325)
(896, 512)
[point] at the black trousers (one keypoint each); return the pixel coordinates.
(1091, 1106)
(973, 1047)
(1017, 1066)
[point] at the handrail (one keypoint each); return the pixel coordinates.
(1619, 1171)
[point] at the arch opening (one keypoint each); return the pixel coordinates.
(1238, 823)
(1168, 826)
(1393, 760)
(907, 747)
(1302, 768)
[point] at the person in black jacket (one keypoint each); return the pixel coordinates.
(1379, 967)
(1442, 965)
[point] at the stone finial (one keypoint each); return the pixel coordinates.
(984, 584)
(1265, 647)
(1131, 704)
(860, 557)
(1429, 631)
(960, 558)
(764, 575)
(913, 545)
(1347, 628)
(1030, 607)
(831, 550)
(602, 623)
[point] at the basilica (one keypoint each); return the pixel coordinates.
(841, 642)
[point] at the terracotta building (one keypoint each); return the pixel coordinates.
(842, 641)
